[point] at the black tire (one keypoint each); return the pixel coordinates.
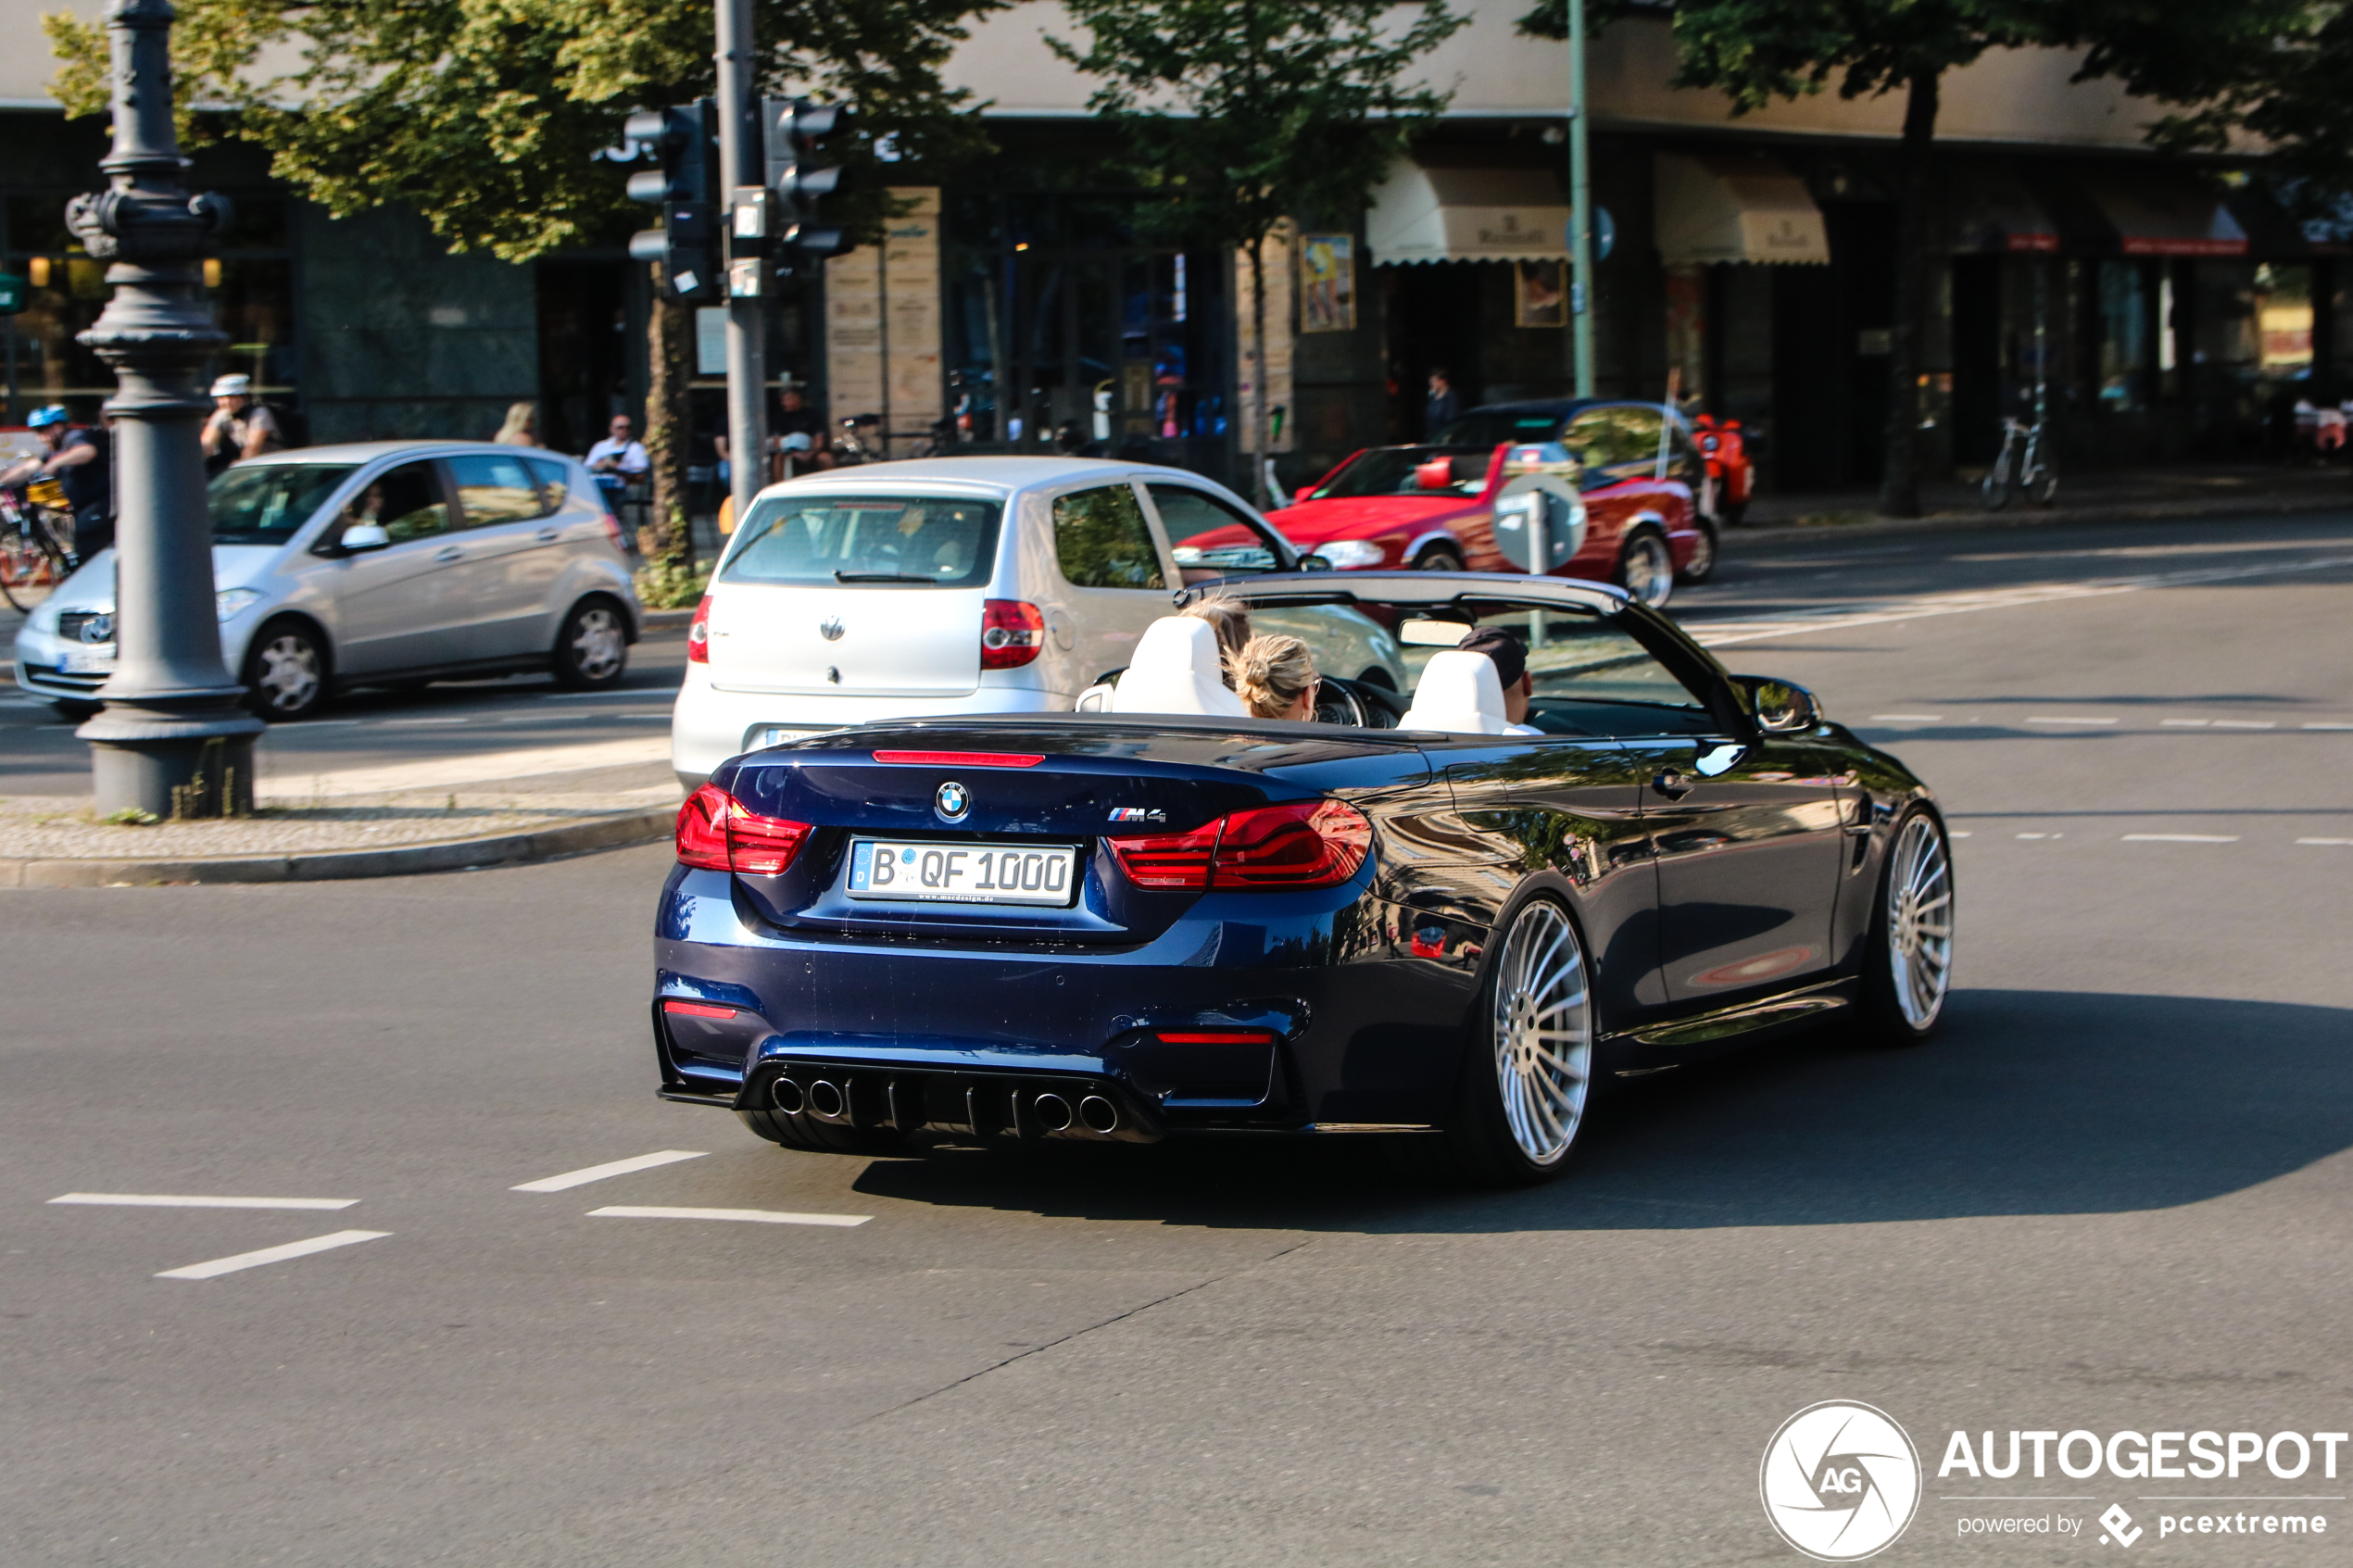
(76, 712)
(1896, 1009)
(804, 1131)
(1439, 558)
(1646, 567)
(1702, 562)
(1495, 1135)
(289, 674)
(592, 648)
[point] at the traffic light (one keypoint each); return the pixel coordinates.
(686, 185)
(791, 129)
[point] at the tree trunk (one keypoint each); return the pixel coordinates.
(1260, 420)
(672, 546)
(1899, 494)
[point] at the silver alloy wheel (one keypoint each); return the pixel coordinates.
(1648, 570)
(286, 674)
(1703, 557)
(598, 643)
(1920, 920)
(1543, 1033)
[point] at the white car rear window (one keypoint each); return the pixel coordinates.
(878, 539)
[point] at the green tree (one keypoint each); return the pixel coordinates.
(488, 115)
(1755, 51)
(1237, 114)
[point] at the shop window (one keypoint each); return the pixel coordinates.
(2284, 320)
(2126, 337)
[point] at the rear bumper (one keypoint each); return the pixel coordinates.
(1298, 1017)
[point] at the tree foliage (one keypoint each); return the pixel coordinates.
(486, 116)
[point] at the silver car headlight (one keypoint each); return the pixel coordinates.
(229, 602)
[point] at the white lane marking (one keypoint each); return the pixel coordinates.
(2329, 726)
(1908, 718)
(757, 1216)
(2181, 838)
(1790, 623)
(2324, 841)
(173, 1200)
(2068, 719)
(1962, 833)
(220, 1266)
(2042, 835)
(2186, 723)
(2244, 724)
(613, 1168)
(291, 778)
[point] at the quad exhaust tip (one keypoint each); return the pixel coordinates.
(1099, 1113)
(1053, 1112)
(788, 1096)
(826, 1101)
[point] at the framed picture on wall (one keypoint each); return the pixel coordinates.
(1328, 282)
(1540, 294)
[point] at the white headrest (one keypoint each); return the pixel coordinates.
(1460, 692)
(1176, 670)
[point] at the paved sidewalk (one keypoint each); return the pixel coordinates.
(434, 815)
(2204, 491)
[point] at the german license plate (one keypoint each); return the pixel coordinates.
(961, 873)
(87, 661)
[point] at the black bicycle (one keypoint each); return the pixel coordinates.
(36, 542)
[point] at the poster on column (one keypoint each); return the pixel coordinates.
(1279, 270)
(883, 327)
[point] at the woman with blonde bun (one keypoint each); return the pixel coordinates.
(1275, 677)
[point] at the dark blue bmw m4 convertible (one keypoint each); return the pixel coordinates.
(1476, 890)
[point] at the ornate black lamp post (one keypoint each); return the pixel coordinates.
(172, 738)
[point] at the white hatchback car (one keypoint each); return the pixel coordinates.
(388, 563)
(953, 585)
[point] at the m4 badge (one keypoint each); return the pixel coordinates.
(1138, 814)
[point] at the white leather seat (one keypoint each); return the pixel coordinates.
(1459, 692)
(1176, 670)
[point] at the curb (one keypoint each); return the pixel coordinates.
(2145, 511)
(409, 860)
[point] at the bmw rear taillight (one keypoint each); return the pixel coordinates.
(1311, 844)
(1012, 634)
(717, 834)
(699, 633)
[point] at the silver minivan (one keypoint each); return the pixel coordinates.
(386, 564)
(982, 584)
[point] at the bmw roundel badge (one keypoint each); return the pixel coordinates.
(952, 801)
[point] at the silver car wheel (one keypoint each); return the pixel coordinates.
(1920, 920)
(1647, 569)
(286, 672)
(597, 643)
(1543, 1033)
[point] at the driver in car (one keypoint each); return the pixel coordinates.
(1511, 668)
(1275, 677)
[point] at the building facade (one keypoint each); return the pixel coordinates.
(2158, 309)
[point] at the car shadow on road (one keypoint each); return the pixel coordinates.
(2029, 1102)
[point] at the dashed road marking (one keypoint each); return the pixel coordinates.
(614, 1168)
(175, 1200)
(2042, 835)
(2067, 719)
(2186, 723)
(220, 1266)
(2324, 841)
(756, 1216)
(2245, 724)
(2181, 838)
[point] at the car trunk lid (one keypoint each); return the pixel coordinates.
(846, 641)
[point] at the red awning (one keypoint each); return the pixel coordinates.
(2156, 214)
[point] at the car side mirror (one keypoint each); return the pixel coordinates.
(1313, 562)
(1436, 474)
(1782, 707)
(363, 537)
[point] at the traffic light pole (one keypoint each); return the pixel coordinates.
(742, 161)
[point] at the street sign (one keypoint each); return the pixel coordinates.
(13, 290)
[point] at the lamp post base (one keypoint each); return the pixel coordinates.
(177, 766)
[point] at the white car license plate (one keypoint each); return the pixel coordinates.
(773, 735)
(87, 661)
(961, 873)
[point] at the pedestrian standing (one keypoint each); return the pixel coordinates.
(618, 461)
(239, 426)
(522, 428)
(1443, 404)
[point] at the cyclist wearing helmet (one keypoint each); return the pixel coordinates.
(77, 460)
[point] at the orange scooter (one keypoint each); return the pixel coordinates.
(1731, 476)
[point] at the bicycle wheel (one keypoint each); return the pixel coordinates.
(1995, 490)
(2045, 488)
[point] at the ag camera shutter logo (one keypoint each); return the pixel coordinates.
(1840, 1481)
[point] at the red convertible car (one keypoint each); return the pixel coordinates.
(1618, 484)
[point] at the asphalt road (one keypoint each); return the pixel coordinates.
(2113, 1195)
